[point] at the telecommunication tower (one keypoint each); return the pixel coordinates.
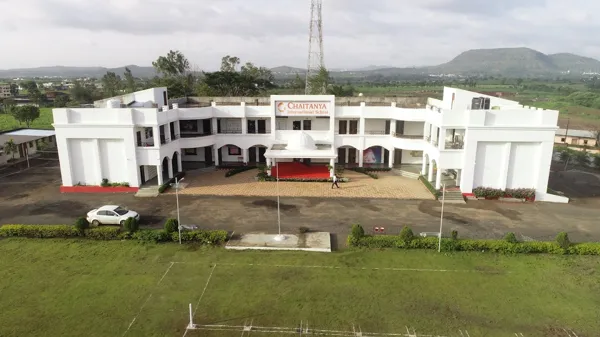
(315, 46)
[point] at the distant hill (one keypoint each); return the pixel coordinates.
(508, 62)
(75, 72)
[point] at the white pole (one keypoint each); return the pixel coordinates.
(441, 218)
(177, 198)
(191, 325)
(278, 213)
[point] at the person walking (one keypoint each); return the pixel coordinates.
(335, 181)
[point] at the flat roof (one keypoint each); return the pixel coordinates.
(24, 135)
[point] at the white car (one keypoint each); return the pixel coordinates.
(110, 215)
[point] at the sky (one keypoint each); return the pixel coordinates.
(356, 33)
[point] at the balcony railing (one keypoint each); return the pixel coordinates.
(454, 146)
(398, 135)
(375, 133)
(145, 144)
(195, 134)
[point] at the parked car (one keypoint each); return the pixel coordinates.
(110, 215)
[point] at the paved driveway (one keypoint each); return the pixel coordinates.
(388, 186)
(35, 200)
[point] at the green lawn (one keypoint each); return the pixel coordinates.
(90, 288)
(7, 122)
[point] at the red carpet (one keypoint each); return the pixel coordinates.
(301, 171)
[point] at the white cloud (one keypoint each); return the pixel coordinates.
(275, 32)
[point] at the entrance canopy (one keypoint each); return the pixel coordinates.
(301, 145)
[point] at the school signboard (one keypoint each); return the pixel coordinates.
(302, 108)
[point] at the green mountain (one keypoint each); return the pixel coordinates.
(575, 63)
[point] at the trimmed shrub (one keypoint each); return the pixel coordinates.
(131, 225)
(406, 234)
(40, 231)
(171, 225)
(103, 233)
(430, 187)
(454, 235)
(81, 224)
(357, 231)
(563, 240)
(205, 237)
(237, 170)
(510, 237)
(152, 236)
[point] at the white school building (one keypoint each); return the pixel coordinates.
(145, 137)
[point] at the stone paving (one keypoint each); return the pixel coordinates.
(388, 186)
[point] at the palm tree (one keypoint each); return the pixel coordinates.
(10, 148)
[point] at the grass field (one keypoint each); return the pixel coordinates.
(87, 288)
(7, 122)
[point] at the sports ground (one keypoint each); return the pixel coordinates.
(89, 288)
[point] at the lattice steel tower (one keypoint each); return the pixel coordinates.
(315, 47)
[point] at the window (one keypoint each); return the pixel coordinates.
(251, 126)
(585, 142)
(121, 211)
(563, 140)
(306, 125)
(296, 125)
(353, 127)
(343, 127)
(30, 144)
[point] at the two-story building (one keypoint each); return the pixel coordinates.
(482, 140)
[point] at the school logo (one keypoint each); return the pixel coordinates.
(281, 107)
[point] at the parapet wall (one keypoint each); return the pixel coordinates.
(401, 102)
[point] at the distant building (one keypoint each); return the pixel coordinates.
(27, 140)
(5, 90)
(576, 137)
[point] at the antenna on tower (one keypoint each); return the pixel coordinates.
(315, 47)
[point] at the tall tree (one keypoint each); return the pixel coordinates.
(8, 104)
(61, 101)
(111, 83)
(14, 89)
(33, 92)
(10, 147)
(82, 94)
(298, 83)
(174, 64)
(130, 84)
(26, 114)
(229, 63)
(319, 82)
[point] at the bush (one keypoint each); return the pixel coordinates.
(510, 237)
(430, 187)
(131, 225)
(237, 170)
(40, 231)
(517, 193)
(103, 233)
(406, 234)
(488, 192)
(152, 235)
(81, 224)
(357, 231)
(563, 240)
(104, 182)
(171, 225)
(454, 235)
(205, 237)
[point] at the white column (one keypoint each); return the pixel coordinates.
(438, 179)
(245, 155)
(360, 158)
(244, 126)
(430, 172)
(170, 167)
(458, 174)
(361, 126)
(442, 139)
(214, 125)
(179, 164)
(426, 130)
(97, 160)
(424, 164)
(391, 158)
(159, 175)
(332, 164)
(434, 134)
(65, 159)
(215, 154)
(347, 154)
(156, 136)
(393, 126)
(177, 130)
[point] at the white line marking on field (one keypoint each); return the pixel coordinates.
(202, 294)
(165, 274)
(136, 316)
(339, 267)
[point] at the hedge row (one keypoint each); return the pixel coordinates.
(518, 193)
(214, 237)
(237, 170)
(169, 182)
(430, 187)
(496, 246)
